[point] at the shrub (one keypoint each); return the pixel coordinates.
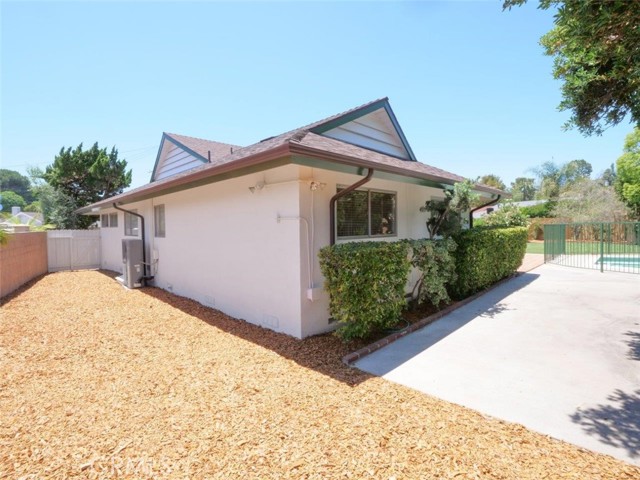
(486, 255)
(542, 210)
(508, 215)
(434, 260)
(366, 284)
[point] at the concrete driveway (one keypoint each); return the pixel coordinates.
(556, 350)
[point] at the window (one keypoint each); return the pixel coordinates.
(158, 217)
(130, 224)
(104, 221)
(366, 213)
(113, 219)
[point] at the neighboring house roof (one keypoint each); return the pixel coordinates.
(27, 218)
(309, 146)
(529, 203)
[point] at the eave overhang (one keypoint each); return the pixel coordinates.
(288, 153)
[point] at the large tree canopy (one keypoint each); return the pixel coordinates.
(556, 178)
(16, 182)
(596, 50)
(589, 201)
(522, 189)
(628, 176)
(88, 176)
(492, 180)
(79, 177)
(10, 199)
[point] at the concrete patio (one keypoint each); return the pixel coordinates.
(556, 350)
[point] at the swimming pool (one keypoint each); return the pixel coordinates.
(631, 261)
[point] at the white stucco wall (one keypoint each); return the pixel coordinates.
(225, 248)
(411, 223)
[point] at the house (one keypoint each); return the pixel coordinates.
(483, 211)
(239, 228)
(18, 217)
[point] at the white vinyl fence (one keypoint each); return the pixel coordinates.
(73, 249)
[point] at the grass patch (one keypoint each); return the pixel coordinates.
(535, 247)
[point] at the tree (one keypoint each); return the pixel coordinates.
(574, 171)
(79, 178)
(549, 189)
(555, 178)
(445, 216)
(10, 199)
(16, 182)
(628, 178)
(57, 208)
(595, 48)
(523, 189)
(494, 181)
(589, 201)
(608, 177)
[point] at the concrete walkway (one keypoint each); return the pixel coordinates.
(531, 261)
(556, 350)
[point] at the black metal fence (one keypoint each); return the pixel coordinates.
(602, 246)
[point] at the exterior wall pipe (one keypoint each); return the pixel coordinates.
(144, 243)
(492, 202)
(334, 199)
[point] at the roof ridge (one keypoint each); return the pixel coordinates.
(169, 134)
(295, 133)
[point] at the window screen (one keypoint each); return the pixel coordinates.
(104, 221)
(113, 219)
(353, 214)
(383, 213)
(365, 213)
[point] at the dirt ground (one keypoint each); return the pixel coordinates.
(100, 382)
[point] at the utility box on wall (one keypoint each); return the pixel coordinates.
(133, 270)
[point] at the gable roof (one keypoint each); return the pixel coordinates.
(198, 147)
(301, 146)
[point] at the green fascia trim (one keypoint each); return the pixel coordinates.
(336, 122)
(179, 145)
(279, 162)
(155, 165)
(361, 113)
(353, 170)
(405, 142)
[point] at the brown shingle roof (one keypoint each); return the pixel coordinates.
(202, 147)
(330, 145)
(300, 141)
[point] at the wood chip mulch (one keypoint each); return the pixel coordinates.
(100, 382)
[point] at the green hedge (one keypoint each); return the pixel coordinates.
(486, 255)
(366, 284)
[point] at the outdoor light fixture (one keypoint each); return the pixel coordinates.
(258, 186)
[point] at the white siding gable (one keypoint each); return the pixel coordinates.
(374, 131)
(173, 160)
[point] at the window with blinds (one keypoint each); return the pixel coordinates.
(366, 213)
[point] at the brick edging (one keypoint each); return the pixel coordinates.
(383, 342)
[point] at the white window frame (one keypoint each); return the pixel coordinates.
(159, 225)
(131, 224)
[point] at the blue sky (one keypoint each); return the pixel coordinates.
(468, 82)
